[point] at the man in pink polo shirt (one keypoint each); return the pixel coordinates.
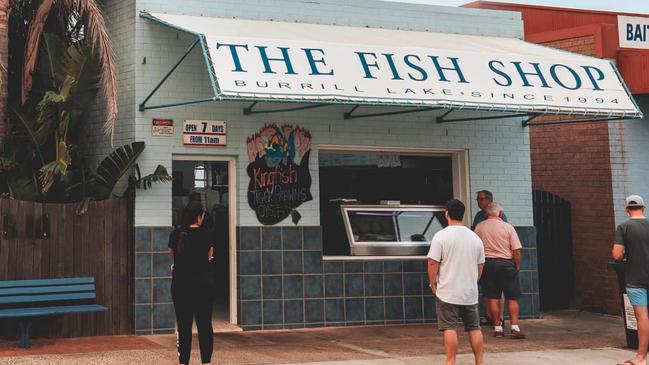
(503, 262)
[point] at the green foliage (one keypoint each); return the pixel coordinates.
(137, 181)
(42, 161)
(7, 164)
(114, 166)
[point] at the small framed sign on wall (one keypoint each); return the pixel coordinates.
(162, 128)
(204, 133)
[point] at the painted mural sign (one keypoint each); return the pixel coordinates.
(280, 180)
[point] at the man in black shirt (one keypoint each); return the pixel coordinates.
(632, 243)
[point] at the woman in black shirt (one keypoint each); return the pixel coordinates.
(192, 284)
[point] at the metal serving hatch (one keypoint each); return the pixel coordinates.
(391, 230)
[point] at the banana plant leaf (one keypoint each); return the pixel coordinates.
(49, 59)
(159, 175)
(55, 170)
(80, 65)
(113, 167)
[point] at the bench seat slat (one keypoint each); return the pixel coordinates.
(46, 298)
(46, 282)
(43, 311)
(48, 289)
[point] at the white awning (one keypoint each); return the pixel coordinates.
(297, 62)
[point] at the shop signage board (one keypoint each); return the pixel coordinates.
(204, 133)
(280, 180)
(162, 128)
(336, 64)
(633, 31)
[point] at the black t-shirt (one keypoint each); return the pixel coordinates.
(634, 235)
(191, 247)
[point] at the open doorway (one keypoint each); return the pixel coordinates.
(212, 181)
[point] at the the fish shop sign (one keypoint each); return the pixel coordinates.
(294, 70)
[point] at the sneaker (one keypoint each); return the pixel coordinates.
(518, 335)
(499, 334)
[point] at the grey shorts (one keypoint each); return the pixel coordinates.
(452, 316)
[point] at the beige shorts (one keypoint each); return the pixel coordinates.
(452, 316)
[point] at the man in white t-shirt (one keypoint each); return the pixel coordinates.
(455, 263)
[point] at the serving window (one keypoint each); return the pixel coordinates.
(391, 230)
(384, 202)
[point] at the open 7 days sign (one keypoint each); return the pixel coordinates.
(204, 133)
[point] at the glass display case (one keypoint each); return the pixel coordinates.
(391, 230)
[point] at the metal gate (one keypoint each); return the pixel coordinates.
(554, 249)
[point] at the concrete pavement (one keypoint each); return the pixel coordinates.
(568, 337)
(605, 356)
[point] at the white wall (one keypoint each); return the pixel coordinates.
(630, 158)
(499, 150)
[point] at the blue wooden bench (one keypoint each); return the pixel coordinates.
(29, 300)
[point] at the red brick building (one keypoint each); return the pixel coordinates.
(592, 165)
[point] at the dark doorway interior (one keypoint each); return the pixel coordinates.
(372, 177)
(209, 179)
(554, 249)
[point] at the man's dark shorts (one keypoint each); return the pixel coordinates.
(452, 316)
(500, 276)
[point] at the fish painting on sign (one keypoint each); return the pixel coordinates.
(280, 180)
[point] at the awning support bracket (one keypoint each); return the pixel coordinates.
(441, 119)
(350, 115)
(249, 110)
(527, 121)
(199, 40)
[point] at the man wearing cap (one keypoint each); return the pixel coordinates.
(632, 243)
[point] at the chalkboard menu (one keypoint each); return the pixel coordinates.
(280, 180)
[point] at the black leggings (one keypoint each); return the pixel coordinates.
(193, 298)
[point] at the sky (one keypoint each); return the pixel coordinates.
(631, 6)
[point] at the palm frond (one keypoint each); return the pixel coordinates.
(31, 46)
(97, 32)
